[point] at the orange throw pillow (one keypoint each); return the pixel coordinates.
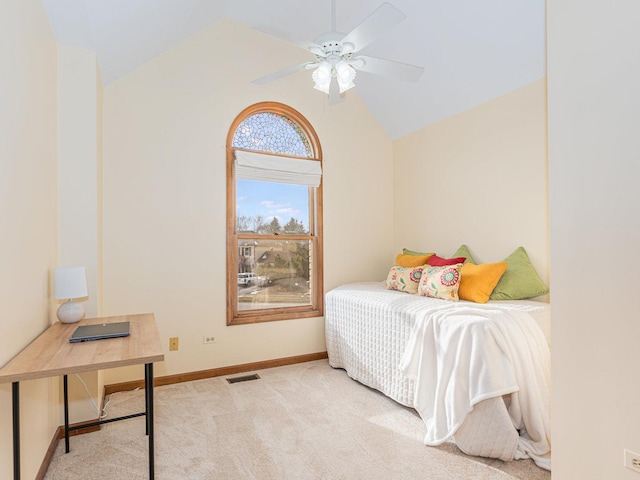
(478, 281)
(404, 260)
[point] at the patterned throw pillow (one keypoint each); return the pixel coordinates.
(441, 282)
(404, 279)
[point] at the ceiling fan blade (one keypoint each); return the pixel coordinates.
(334, 93)
(280, 73)
(390, 68)
(380, 21)
(273, 32)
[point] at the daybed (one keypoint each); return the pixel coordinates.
(476, 373)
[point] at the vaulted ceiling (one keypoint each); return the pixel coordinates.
(472, 51)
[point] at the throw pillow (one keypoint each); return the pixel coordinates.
(405, 260)
(478, 281)
(404, 279)
(406, 251)
(440, 282)
(463, 251)
(520, 280)
(436, 261)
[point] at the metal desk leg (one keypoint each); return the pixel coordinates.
(146, 399)
(148, 375)
(15, 399)
(66, 413)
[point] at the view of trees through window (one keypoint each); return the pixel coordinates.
(260, 224)
(272, 273)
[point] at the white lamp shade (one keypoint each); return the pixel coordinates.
(69, 282)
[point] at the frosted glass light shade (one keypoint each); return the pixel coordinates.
(342, 71)
(345, 74)
(69, 282)
(322, 77)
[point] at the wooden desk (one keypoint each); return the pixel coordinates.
(51, 354)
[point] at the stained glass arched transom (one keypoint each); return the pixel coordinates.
(273, 133)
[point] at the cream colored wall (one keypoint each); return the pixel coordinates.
(594, 164)
(78, 195)
(165, 128)
(478, 178)
(78, 175)
(28, 209)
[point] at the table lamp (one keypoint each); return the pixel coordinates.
(70, 283)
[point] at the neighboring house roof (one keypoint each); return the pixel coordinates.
(270, 256)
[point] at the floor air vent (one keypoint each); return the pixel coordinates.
(244, 378)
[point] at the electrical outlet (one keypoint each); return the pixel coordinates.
(208, 339)
(632, 460)
(173, 344)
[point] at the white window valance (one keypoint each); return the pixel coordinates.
(273, 168)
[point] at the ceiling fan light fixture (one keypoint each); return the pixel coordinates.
(336, 55)
(322, 77)
(345, 74)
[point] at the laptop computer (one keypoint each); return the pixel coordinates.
(86, 333)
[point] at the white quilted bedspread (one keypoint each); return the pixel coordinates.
(450, 361)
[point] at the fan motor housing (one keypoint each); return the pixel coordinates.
(331, 43)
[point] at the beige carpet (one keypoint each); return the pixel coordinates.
(305, 421)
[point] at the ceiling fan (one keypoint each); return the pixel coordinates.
(336, 58)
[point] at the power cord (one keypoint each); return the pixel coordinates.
(104, 413)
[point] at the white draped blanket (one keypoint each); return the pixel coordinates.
(461, 353)
(369, 330)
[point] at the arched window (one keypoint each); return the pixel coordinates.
(274, 216)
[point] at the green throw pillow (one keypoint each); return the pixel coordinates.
(406, 251)
(463, 251)
(520, 280)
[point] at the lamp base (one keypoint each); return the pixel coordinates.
(70, 312)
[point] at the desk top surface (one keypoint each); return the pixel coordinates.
(51, 354)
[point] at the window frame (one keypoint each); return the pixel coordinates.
(315, 236)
